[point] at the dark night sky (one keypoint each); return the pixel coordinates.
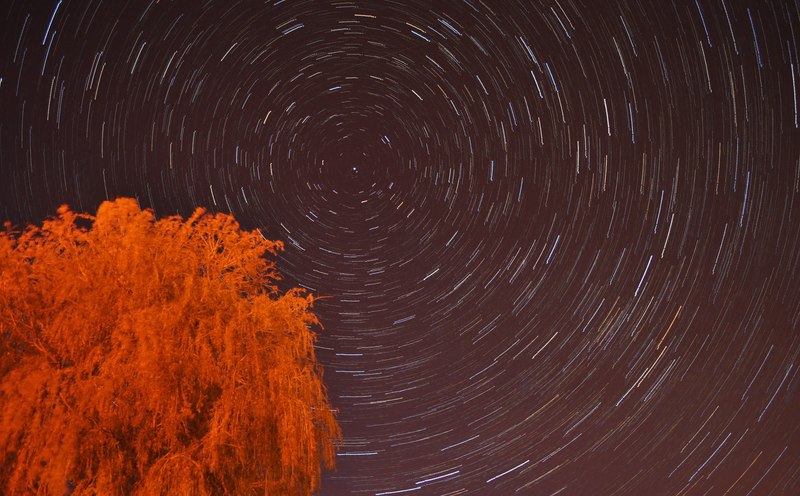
(562, 241)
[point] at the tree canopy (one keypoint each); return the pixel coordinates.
(153, 357)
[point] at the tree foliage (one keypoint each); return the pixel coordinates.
(154, 357)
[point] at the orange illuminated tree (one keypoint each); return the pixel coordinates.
(155, 357)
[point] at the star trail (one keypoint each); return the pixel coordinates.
(558, 242)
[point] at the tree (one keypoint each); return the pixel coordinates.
(151, 357)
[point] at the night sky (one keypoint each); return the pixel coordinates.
(560, 242)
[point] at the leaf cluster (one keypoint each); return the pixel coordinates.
(148, 357)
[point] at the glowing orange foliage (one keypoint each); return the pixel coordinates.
(153, 357)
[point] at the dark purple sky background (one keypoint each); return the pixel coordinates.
(562, 241)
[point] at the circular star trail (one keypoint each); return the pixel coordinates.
(559, 242)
